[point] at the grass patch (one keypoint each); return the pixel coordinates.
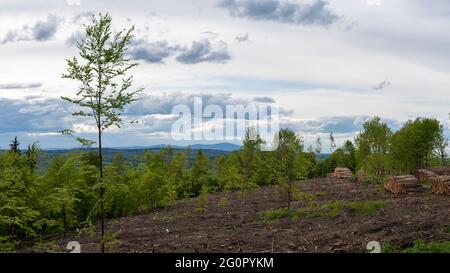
(319, 194)
(367, 207)
(281, 213)
(433, 247)
(388, 247)
(166, 218)
(224, 202)
(334, 209)
(329, 210)
(419, 247)
(275, 214)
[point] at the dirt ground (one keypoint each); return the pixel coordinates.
(239, 227)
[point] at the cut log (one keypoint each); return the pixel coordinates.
(403, 184)
(424, 175)
(361, 177)
(342, 173)
(442, 170)
(441, 185)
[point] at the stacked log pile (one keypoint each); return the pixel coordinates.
(441, 185)
(403, 184)
(361, 177)
(424, 175)
(442, 170)
(342, 173)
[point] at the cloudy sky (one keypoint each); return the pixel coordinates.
(328, 64)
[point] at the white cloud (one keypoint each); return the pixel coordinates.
(73, 2)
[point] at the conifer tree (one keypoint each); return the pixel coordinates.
(14, 146)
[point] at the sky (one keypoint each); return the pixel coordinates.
(329, 65)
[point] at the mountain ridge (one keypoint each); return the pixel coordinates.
(227, 147)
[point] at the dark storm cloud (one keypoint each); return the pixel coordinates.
(203, 51)
(315, 14)
(40, 31)
(197, 52)
(151, 52)
(32, 115)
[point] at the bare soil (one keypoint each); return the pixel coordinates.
(239, 227)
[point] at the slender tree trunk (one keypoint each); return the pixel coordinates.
(442, 155)
(102, 190)
(289, 196)
(64, 221)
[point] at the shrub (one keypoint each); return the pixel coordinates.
(275, 214)
(367, 207)
(419, 247)
(334, 208)
(432, 247)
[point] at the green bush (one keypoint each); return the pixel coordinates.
(419, 247)
(275, 214)
(433, 247)
(367, 207)
(334, 208)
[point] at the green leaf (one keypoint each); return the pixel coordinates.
(85, 142)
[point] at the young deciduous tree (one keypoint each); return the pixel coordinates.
(412, 146)
(288, 148)
(373, 139)
(61, 185)
(350, 154)
(104, 86)
(17, 216)
(199, 173)
(440, 149)
(249, 160)
(332, 142)
(318, 145)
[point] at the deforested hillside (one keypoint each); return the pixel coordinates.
(331, 215)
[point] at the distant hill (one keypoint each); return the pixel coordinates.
(322, 156)
(134, 154)
(227, 147)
